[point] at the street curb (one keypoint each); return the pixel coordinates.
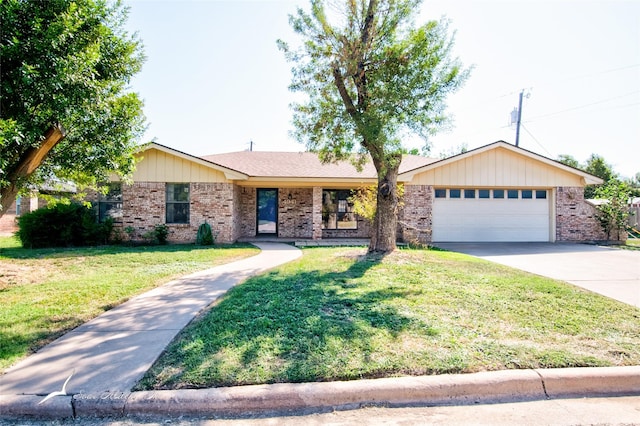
(301, 398)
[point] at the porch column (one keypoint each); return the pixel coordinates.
(317, 213)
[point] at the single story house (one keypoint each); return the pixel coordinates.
(497, 192)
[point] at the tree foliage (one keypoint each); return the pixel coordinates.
(65, 110)
(370, 78)
(595, 165)
(364, 201)
(614, 212)
(569, 161)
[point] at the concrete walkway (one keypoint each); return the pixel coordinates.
(609, 271)
(113, 351)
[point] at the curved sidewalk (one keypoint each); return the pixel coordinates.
(113, 351)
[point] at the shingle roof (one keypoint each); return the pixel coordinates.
(302, 165)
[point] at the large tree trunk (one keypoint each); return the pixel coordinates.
(30, 160)
(385, 223)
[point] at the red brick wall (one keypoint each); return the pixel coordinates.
(416, 217)
(144, 206)
(575, 218)
(247, 208)
(214, 203)
(295, 215)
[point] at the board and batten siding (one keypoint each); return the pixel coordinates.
(159, 166)
(497, 168)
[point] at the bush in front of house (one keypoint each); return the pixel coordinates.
(157, 235)
(62, 225)
(205, 236)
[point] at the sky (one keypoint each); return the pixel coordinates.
(214, 79)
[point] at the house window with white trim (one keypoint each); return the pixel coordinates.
(177, 203)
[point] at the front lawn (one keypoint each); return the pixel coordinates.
(45, 292)
(338, 314)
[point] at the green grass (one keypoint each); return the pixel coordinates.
(45, 292)
(339, 315)
(633, 242)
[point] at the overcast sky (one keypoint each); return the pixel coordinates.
(214, 79)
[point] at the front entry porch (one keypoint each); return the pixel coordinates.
(298, 214)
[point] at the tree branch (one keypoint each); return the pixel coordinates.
(30, 160)
(344, 94)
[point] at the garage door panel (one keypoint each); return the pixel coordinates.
(490, 220)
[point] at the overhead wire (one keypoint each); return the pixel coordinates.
(529, 120)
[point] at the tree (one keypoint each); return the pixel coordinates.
(597, 166)
(634, 184)
(452, 151)
(65, 111)
(613, 213)
(370, 78)
(569, 161)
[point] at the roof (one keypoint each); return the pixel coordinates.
(294, 166)
(302, 165)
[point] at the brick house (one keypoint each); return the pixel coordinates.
(498, 192)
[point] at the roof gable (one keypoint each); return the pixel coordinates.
(516, 152)
(229, 173)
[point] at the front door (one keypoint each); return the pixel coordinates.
(267, 211)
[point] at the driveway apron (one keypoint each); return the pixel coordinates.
(113, 351)
(612, 272)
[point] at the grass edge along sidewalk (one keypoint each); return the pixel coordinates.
(339, 314)
(45, 293)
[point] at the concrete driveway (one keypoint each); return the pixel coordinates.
(612, 272)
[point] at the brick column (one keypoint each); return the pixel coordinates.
(317, 213)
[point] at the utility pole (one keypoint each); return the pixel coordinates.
(519, 118)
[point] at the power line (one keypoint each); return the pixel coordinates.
(582, 106)
(534, 138)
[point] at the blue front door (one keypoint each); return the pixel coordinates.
(267, 211)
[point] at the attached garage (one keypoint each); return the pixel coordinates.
(483, 215)
(500, 193)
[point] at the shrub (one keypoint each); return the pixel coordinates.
(161, 232)
(157, 235)
(62, 225)
(205, 236)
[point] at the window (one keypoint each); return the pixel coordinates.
(469, 193)
(441, 193)
(454, 193)
(498, 193)
(18, 205)
(512, 193)
(110, 203)
(177, 203)
(483, 193)
(527, 194)
(337, 211)
(541, 194)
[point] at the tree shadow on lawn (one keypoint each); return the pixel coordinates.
(279, 327)
(71, 252)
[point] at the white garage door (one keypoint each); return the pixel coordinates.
(476, 215)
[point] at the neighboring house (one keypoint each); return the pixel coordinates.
(34, 201)
(498, 192)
